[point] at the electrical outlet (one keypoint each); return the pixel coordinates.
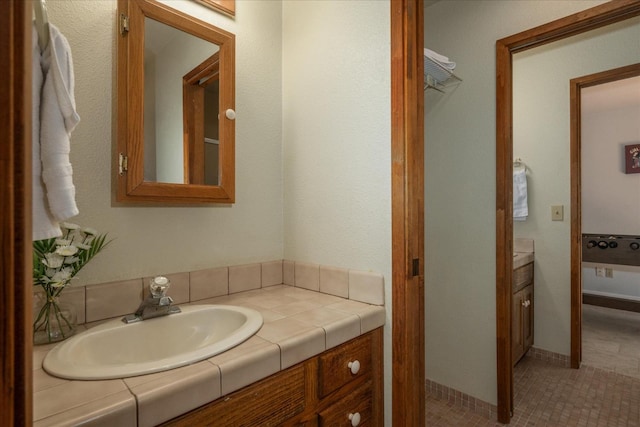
(600, 271)
(608, 272)
(557, 213)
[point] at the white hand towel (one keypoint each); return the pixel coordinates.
(58, 118)
(44, 226)
(520, 204)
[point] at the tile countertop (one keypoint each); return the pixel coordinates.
(298, 324)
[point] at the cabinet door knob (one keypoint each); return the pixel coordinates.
(524, 303)
(355, 419)
(231, 115)
(355, 367)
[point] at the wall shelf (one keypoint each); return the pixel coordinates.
(437, 76)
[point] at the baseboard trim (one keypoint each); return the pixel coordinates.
(611, 302)
(461, 399)
(549, 356)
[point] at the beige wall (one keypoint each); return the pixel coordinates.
(460, 187)
(610, 197)
(337, 139)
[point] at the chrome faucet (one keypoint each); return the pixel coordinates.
(156, 305)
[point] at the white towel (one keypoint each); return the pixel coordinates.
(437, 66)
(520, 205)
(53, 189)
(440, 59)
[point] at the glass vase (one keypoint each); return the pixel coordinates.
(53, 320)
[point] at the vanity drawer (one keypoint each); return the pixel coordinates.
(522, 276)
(333, 366)
(358, 403)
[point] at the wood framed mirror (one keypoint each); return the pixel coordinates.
(175, 108)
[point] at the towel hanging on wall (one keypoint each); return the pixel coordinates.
(520, 203)
(54, 118)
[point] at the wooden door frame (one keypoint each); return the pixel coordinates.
(407, 204)
(15, 198)
(589, 19)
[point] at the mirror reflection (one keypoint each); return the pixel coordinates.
(181, 104)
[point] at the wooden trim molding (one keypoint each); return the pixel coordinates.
(228, 7)
(611, 302)
(15, 198)
(407, 199)
(596, 17)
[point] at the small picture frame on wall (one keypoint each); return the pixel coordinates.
(632, 158)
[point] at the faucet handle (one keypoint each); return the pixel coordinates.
(159, 286)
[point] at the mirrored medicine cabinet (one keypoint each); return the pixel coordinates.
(175, 108)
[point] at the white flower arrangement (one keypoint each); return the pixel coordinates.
(56, 261)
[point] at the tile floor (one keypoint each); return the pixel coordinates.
(611, 339)
(548, 394)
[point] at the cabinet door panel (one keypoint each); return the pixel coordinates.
(517, 341)
(527, 318)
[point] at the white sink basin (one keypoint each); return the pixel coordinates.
(117, 350)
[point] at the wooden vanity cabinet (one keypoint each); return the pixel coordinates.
(522, 312)
(321, 391)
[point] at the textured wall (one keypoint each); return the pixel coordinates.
(154, 240)
(460, 187)
(611, 198)
(337, 115)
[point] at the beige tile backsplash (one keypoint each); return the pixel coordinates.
(209, 283)
(108, 300)
(366, 287)
(288, 272)
(244, 278)
(112, 299)
(307, 276)
(272, 273)
(334, 281)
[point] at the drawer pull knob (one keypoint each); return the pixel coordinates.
(355, 419)
(355, 367)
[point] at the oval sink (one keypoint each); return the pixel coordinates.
(118, 350)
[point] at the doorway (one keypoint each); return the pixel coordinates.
(605, 331)
(587, 20)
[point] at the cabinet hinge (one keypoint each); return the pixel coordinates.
(124, 24)
(122, 163)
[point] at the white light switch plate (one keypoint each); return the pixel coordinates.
(557, 213)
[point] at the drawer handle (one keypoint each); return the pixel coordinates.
(355, 367)
(355, 419)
